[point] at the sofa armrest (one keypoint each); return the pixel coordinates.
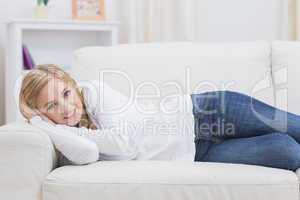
(27, 156)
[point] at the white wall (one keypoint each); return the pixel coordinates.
(22, 9)
(236, 20)
(231, 20)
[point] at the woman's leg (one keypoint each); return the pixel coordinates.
(272, 150)
(223, 115)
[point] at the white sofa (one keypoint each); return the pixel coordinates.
(267, 71)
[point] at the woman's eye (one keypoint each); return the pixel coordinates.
(67, 93)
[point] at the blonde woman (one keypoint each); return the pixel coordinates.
(52, 101)
(251, 131)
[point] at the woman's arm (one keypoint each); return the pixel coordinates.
(113, 144)
(77, 149)
(113, 140)
(82, 145)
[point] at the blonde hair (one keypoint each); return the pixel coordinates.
(38, 78)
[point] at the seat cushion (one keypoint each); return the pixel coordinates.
(170, 180)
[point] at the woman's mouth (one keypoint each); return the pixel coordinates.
(70, 115)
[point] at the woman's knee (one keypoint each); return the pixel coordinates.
(282, 142)
(286, 150)
(281, 138)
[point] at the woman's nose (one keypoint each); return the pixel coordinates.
(67, 108)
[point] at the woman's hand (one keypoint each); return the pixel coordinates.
(30, 113)
(45, 118)
(27, 111)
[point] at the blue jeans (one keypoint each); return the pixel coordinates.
(231, 127)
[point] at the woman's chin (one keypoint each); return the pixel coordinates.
(73, 121)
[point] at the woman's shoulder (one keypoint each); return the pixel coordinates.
(100, 97)
(89, 92)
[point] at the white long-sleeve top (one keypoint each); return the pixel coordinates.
(124, 133)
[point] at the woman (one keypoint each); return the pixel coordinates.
(251, 132)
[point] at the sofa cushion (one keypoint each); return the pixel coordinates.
(161, 69)
(286, 72)
(170, 180)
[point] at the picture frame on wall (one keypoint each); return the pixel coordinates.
(88, 10)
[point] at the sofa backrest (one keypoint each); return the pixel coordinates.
(169, 68)
(286, 74)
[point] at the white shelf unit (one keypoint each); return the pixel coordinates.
(49, 42)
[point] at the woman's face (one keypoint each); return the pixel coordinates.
(60, 102)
